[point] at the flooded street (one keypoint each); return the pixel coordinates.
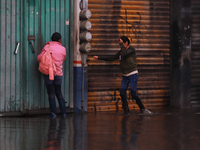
(166, 129)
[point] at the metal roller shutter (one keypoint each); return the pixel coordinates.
(195, 55)
(147, 24)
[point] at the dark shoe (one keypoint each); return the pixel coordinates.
(146, 111)
(62, 108)
(53, 116)
(52, 104)
(126, 111)
(125, 108)
(63, 115)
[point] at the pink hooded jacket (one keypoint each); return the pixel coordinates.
(58, 54)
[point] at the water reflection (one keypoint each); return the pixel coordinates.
(113, 131)
(129, 132)
(55, 134)
(102, 131)
(34, 133)
(80, 135)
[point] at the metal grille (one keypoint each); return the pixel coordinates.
(147, 24)
(195, 55)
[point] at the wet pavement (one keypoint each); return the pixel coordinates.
(166, 129)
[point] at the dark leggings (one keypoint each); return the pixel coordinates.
(54, 87)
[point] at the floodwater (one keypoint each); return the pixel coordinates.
(166, 129)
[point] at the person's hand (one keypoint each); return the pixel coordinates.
(95, 57)
(120, 41)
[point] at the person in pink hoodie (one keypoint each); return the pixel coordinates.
(54, 86)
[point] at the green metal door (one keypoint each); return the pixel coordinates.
(41, 18)
(26, 25)
(10, 62)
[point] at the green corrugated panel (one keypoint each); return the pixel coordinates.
(21, 84)
(9, 64)
(18, 76)
(43, 18)
(2, 71)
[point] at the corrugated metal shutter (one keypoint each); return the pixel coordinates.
(21, 84)
(147, 23)
(10, 74)
(42, 19)
(195, 55)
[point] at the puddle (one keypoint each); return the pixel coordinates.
(164, 130)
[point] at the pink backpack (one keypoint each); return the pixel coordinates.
(47, 65)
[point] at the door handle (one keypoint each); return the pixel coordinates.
(31, 37)
(17, 47)
(32, 47)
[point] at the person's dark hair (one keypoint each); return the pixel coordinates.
(56, 36)
(125, 39)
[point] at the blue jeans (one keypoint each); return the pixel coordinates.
(132, 79)
(53, 87)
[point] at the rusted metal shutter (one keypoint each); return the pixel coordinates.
(147, 24)
(195, 55)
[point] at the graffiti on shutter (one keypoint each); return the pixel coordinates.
(147, 24)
